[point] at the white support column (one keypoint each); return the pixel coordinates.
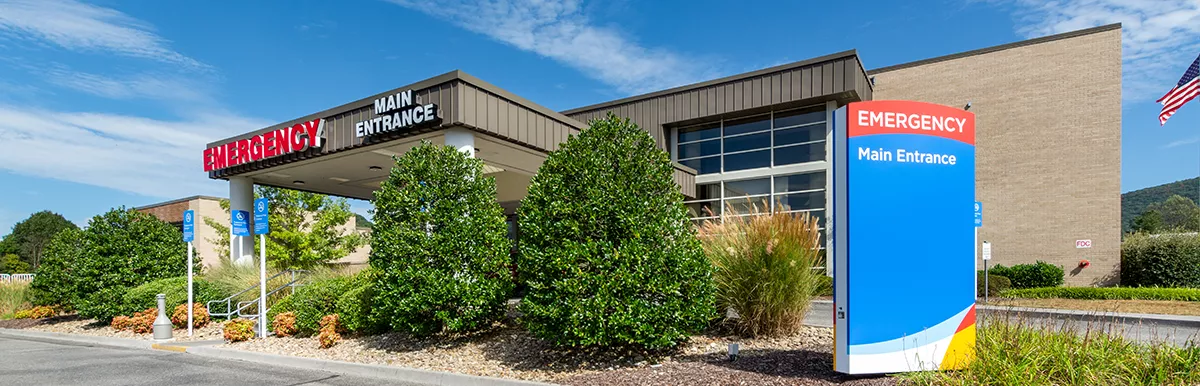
(241, 197)
(461, 139)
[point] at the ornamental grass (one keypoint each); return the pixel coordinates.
(765, 267)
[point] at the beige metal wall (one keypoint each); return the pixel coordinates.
(1048, 167)
(838, 76)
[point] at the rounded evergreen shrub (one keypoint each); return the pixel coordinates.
(1039, 274)
(1162, 261)
(313, 301)
(145, 295)
(607, 251)
(440, 244)
(354, 308)
(995, 284)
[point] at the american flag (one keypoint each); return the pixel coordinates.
(1187, 89)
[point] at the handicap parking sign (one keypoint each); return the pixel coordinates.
(189, 226)
(241, 223)
(261, 221)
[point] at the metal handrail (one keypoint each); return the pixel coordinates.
(228, 302)
(242, 306)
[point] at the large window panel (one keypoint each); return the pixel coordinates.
(799, 135)
(743, 188)
(799, 117)
(706, 165)
(747, 142)
(799, 154)
(747, 125)
(797, 201)
(699, 149)
(799, 182)
(708, 191)
(749, 160)
(696, 133)
(700, 209)
(748, 205)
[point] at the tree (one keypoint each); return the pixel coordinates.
(11, 263)
(1149, 222)
(440, 244)
(1178, 213)
(607, 250)
(91, 269)
(307, 229)
(31, 235)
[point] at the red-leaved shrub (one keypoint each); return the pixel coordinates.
(199, 316)
(284, 324)
(329, 331)
(239, 329)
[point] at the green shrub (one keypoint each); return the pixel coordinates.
(763, 268)
(87, 269)
(354, 308)
(1162, 261)
(1018, 354)
(995, 284)
(11, 263)
(607, 250)
(1040, 274)
(145, 295)
(1109, 293)
(239, 329)
(314, 300)
(440, 244)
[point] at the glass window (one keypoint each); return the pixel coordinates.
(748, 125)
(747, 187)
(750, 160)
(747, 142)
(696, 133)
(799, 154)
(797, 201)
(799, 117)
(799, 135)
(704, 209)
(704, 165)
(699, 149)
(708, 191)
(798, 182)
(748, 205)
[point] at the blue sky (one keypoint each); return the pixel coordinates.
(109, 103)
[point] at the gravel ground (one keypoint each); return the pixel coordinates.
(74, 325)
(509, 352)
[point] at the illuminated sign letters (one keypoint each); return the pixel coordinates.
(395, 112)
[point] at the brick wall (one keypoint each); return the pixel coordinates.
(172, 213)
(1048, 145)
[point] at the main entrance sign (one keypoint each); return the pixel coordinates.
(395, 112)
(295, 138)
(903, 228)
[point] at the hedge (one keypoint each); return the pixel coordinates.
(995, 284)
(607, 250)
(314, 300)
(145, 296)
(1040, 274)
(440, 244)
(1108, 293)
(1160, 261)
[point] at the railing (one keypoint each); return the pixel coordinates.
(224, 308)
(16, 277)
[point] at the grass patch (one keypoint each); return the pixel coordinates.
(1109, 293)
(13, 297)
(1019, 354)
(1168, 307)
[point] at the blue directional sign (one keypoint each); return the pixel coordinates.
(241, 223)
(189, 226)
(978, 214)
(261, 222)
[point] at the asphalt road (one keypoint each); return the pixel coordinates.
(821, 314)
(36, 362)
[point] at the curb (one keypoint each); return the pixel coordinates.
(393, 373)
(1083, 315)
(78, 339)
(357, 369)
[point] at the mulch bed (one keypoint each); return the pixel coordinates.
(19, 324)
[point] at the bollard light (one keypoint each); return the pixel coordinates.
(162, 325)
(733, 351)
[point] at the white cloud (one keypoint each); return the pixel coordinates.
(82, 27)
(156, 86)
(1161, 37)
(150, 157)
(559, 30)
(1182, 142)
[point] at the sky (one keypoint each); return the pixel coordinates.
(110, 103)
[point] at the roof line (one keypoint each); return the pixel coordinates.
(1022, 43)
(727, 79)
(178, 200)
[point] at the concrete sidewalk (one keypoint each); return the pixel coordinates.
(205, 349)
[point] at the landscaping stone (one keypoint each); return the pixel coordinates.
(91, 327)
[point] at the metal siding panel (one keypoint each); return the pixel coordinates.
(851, 69)
(827, 79)
(785, 87)
(839, 76)
(481, 108)
(502, 117)
(776, 88)
(702, 102)
(522, 121)
(468, 106)
(758, 89)
(493, 114)
(737, 97)
(815, 85)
